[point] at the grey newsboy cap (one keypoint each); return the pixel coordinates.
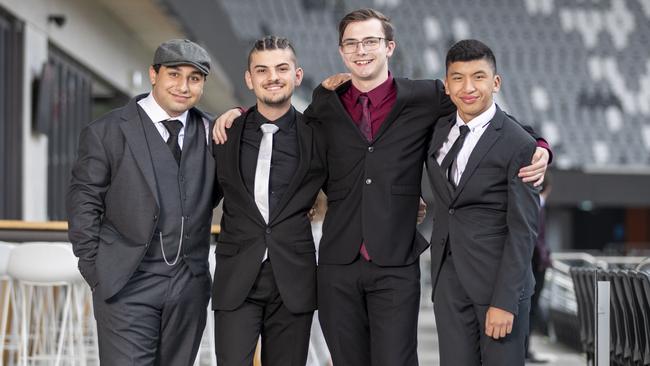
(182, 52)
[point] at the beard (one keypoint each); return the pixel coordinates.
(276, 100)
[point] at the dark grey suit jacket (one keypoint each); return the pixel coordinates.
(245, 236)
(112, 200)
(490, 219)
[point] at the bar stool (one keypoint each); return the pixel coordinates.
(8, 303)
(52, 295)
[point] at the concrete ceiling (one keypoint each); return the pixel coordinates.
(151, 24)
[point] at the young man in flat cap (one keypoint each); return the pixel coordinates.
(140, 205)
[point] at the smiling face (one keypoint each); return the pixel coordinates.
(470, 85)
(368, 67)
(272, 75)
(176, 88)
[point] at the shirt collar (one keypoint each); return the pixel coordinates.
(480, 121)
(155, 111)
(375, 95)
(284, 123)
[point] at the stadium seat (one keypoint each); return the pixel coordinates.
(644, 311)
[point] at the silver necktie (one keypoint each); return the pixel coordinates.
(263, 169)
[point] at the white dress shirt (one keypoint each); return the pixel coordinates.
(158, 115)
(477, 126)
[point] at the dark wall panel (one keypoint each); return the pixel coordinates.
(11, 117)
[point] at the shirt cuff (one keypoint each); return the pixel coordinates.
(545, 145)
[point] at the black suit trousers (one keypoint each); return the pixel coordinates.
(461, 327)
(154, 320)
(369, 314)
(285, 336)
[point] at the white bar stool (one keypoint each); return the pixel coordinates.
(52, 294)
(8, 337)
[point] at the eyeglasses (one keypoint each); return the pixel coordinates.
(369, 44)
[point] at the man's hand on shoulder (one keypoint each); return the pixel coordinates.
(334, 81)
(223, 122)
(536, 170)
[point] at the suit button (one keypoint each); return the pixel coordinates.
(368, 181)
(268, 230)
(155, 217)
(451, 211)
(371, 148)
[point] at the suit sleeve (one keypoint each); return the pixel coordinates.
(311, 112)
(90, 179)
(541, 142)
(522, 218)
(445, 105)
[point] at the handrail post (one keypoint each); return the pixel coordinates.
(602, 323)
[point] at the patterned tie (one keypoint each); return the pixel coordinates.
(447, 162)
(263, 169)
(174, 127)
(366, 131)
(365, 125)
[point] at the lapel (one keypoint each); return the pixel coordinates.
(132, 126)
(485, 143)
(232, 163)
(305, 146)
(403, 95)
(438, 179)
(335, 102)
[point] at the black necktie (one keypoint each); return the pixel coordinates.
(445, 166)
(174, 127)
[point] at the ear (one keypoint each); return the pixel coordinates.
(497, 83)
(299, 75)
(152, 75)
(390, 48)
(446, 85)
(342, 54)
(249, 80)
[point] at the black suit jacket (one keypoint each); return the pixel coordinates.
(112, 201)
(489, 221)
(245, 236)
(373, 189)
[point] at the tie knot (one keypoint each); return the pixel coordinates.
(269, 128)
(464, 130)
(363, 100)
(174, 126)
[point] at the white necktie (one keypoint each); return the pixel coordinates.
(263, 169)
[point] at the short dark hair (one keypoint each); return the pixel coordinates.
(360, 15)
(470, 50)
(271, 43)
